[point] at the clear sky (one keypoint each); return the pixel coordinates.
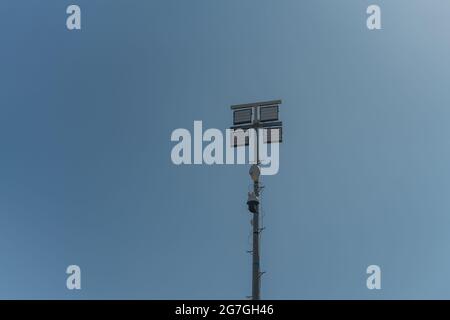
(86, 176)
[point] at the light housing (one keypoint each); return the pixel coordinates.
(269, 113)
(242, 116)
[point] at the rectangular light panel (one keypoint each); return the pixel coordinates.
(239, 138)
(269, 113)
(273, 135)
(242, 116)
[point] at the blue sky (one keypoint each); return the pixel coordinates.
(86, 176)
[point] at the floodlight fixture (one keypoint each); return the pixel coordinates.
(269, 113)
(242, 116)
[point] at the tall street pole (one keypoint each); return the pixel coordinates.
(256, 283)
(258, 116)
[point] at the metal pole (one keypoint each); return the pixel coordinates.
(256, 283)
